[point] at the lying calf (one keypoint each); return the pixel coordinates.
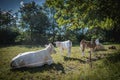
(100, 47)
(112, 47)
(34, 58)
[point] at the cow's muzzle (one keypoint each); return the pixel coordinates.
(12, 64)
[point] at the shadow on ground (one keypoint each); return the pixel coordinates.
(74, 59)
(54, 66)
(114, 58)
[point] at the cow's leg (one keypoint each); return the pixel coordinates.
(83, 53)
(93, 50)
(69, 51)
(61, 50)
(50, 61)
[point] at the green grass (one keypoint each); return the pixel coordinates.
(105, 65)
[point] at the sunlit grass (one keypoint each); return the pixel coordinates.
(105, 65)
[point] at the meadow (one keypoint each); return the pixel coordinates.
(105, 65)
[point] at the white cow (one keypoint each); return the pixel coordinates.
(64, 45)
(34, 58)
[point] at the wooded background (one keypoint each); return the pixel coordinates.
(59, 20)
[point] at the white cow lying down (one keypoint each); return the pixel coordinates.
(34, 58)
(64, 45)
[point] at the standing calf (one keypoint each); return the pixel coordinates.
(64, 45)
(34, 58)
(88, 44)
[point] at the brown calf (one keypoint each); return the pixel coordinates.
(87, 44)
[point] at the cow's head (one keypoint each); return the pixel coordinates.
(52, 49)
(12, 64)
(16, 62)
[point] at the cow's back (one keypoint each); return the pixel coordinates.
(33, 58)
(66, 44)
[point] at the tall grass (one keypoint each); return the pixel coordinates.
(105, 65)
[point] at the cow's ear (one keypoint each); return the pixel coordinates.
(50, 44)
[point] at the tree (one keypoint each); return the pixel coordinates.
(53, 28)
(35, 21)
(78, 14)
(8, 32)
(5, 18)
(85, 13)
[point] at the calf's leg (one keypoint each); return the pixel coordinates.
(83, 49)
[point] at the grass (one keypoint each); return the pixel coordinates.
(105, 65)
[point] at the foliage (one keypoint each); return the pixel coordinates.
(96, 32)
(8, 31)
(8, 36)
(86, 13)
(5, 17)
(61, 20)
(53, 28)
(54, 32)
(34, 21)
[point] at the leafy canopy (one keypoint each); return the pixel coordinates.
(85, 13)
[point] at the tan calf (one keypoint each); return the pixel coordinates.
(87, 44)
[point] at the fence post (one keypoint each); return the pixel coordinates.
(90, 60)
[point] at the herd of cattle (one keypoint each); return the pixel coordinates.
(41, 57)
